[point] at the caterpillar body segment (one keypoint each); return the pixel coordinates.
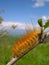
(26, 43)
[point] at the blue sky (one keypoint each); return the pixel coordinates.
(24, 10)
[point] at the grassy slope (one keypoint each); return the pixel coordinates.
(37, 56)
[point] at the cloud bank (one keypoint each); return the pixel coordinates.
(40, 3)
(23, 26)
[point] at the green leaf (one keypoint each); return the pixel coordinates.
(40, 22)
(14, 26)
(46, 24)
(1, 19)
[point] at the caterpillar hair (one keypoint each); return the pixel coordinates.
(26, 43)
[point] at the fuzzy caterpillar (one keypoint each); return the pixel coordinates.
(26, 43)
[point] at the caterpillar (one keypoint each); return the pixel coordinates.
(26, 43)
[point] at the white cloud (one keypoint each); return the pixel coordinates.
(45, 17)
(19, 25)
(40, 3)
(9, 24)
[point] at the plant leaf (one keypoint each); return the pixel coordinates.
(40, 22)
(46, 24)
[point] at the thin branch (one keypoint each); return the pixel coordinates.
(13, 60)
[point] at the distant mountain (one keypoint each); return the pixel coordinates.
(19, 30)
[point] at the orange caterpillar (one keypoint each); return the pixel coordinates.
(26, 43)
